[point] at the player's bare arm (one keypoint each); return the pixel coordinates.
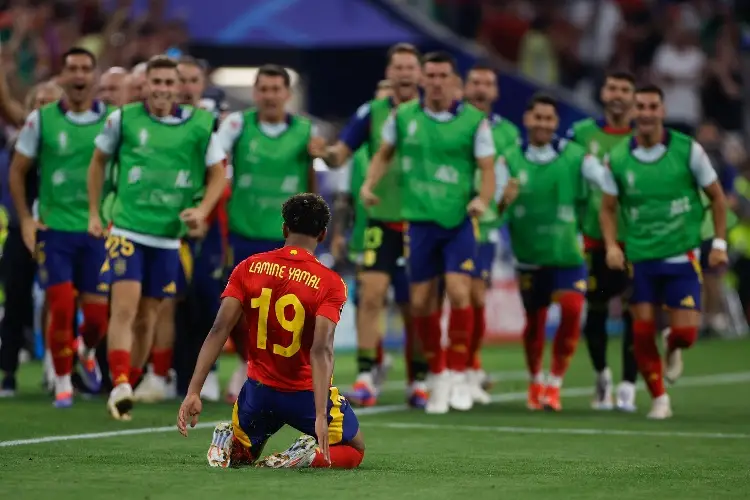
(715, 193)
(378, 168)
(321, 361)
(312, 179)
(94, 183)
(10, 110)
(226, 319)
(216, 183)
(19, 168)
(608, 222)
(486, 195)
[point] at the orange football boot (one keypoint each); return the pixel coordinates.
(534, 401)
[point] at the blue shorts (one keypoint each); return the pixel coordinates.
(77, 258)
(433, 251)
(484, 260)
(261, 411)
(400, 284)
(674, 285)
(156, 269)
(202, 263)
(539, 286)
(242, 247)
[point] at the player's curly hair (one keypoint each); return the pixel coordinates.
(306, 213)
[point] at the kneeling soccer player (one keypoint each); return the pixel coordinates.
(291, 303)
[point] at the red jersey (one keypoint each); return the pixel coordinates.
(282, 292)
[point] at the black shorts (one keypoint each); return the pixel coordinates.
(604, 283)
(384, 248)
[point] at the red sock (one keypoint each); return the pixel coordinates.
(475, 363)
(342, 457)
(162, 361)
(568, 333)
(95, 323)
(61, 307)
(119, 366)
(135, 375)
(424, 327)
(681, 337)
(647, 356)
(379, 353)
(460, 331)
(409, 350)
(533, 340)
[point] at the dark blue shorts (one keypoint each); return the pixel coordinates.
(202, 263)
(261, 411)
(78, 258)
(674, 285)
(156, 269)
(539, 286)
(483, 262)
(242, 247)
(433, 251)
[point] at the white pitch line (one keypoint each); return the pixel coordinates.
(557, 430)
(695, 381)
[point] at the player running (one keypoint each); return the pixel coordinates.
(544, 181)
(59, 137)
(383, 262)
(656, 179)
(598, 137)
(292, 304)
(482, 91)
(441, 143)
(166, 155)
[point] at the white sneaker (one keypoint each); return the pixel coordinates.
(661, 408)
(236, 382)
(603, 391)
(120, 402)
(674, 366)
(380, 372)
(171, 389)
(626, 397)
(440, 393)
(220, 452)
(478, 394)
(460, 398)
(152, 389)
(211, 390)
(49, 372)
(300, 455)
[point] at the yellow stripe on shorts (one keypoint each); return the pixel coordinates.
(186, 259)
(241, 436)
(336, 427)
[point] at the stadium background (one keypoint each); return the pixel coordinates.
(337, 51)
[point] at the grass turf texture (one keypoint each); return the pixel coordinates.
(493, 452)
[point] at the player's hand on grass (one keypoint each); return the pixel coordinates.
(510, 193)
(615, 258)
(190, 408)
(367, 196)
(476, 207)
(321, 432)
(717, 258)
(317, 147)
(193, 217)
(95, 226)
(29, 228)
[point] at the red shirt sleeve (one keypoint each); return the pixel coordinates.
(235, 286)
(333, 301)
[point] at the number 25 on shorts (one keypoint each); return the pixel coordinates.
(294, 325)
(118, 245)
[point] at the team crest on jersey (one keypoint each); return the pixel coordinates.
(594, 148)
(62, 141)
(143, 137)
(630, 177)
(523, 177)
(412, 128)
(58, 178)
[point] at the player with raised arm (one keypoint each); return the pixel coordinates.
(59, 137)
(656, 179)
(383, 262)
(544, 179)
(598, 137)
(166, 154)
(441, 144)
(291, 303)
(482, 91)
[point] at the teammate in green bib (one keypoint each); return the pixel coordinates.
(59, 137)
(656, 179)
(166, 155)
(598, 137)
(383, 262)
(545, 179)
(440, 144)
(271, 161)
(481, 90)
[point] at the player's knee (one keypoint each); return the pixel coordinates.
(123, 316)
(571, 303)
(61, 302)
(682, 337)
(95, 314)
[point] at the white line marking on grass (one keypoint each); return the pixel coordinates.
(548, 430)
(695, 381)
